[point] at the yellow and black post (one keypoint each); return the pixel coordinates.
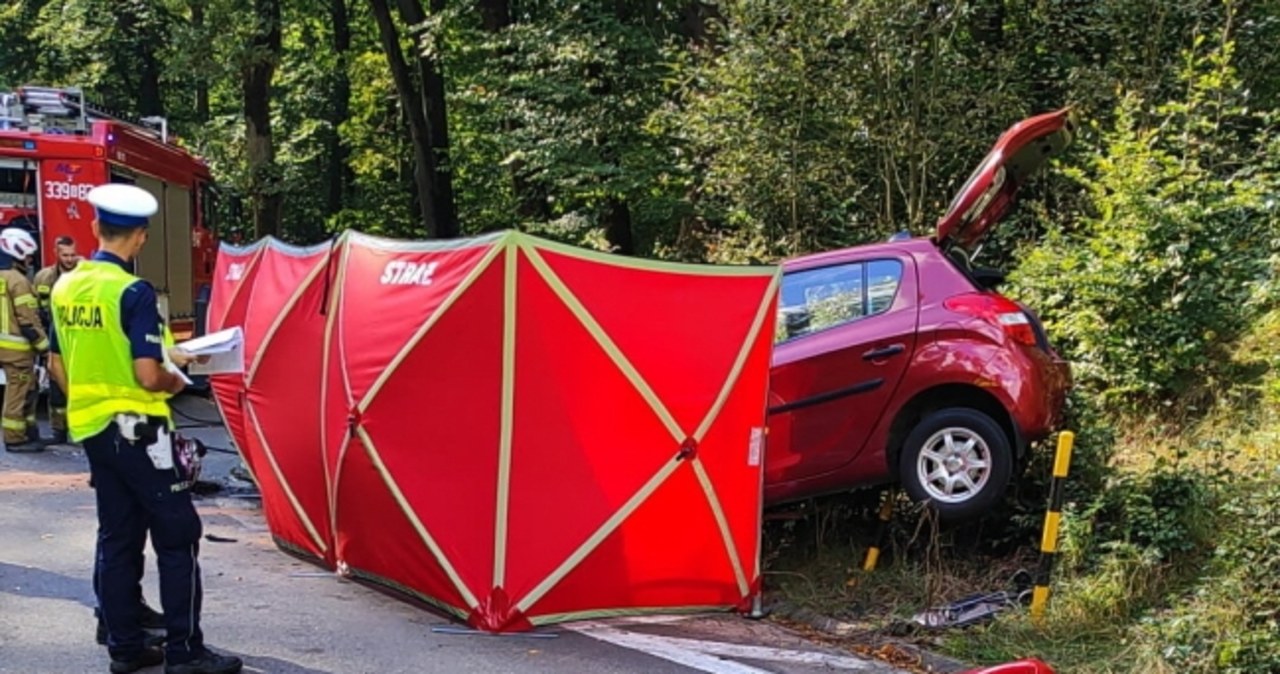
(886, 514)
(1052, 518)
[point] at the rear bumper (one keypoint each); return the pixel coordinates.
(1041, 396)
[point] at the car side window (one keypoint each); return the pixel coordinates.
(883, 279)
(817, 299)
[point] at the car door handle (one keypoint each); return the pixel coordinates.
(884, 352)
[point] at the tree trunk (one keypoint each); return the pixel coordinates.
(618, 226)
(531, 201)
(150, 102)
(986, 24)
(139, 59)
(695, 22)
(413, 110)
(339, 172)
(202, 81)
(431, 99)
(617, 215)
(264, 187)
(495, 14)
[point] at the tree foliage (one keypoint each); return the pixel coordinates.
(730, 130)
(1153, 284)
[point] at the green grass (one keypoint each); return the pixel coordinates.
(1153, 586)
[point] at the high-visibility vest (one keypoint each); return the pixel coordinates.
(95, 350)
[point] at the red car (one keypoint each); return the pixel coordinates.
(899, 362)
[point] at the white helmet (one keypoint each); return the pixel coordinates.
(17, 243)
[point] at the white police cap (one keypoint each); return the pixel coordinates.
(121, 205)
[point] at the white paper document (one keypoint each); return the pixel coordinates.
(178, 371)
(224, 348)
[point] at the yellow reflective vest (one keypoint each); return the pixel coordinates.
(95, 350)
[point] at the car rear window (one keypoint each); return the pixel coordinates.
(813, 300)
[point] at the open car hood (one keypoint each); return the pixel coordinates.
(990, 190)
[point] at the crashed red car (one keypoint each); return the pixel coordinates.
(899, 362)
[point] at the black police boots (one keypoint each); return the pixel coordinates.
(149, 657)
(148, 617)
(208, 663)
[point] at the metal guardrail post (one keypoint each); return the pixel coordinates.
(886, 515)
(1052, 519)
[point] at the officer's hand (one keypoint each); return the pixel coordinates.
(177, 386)
(179, 357)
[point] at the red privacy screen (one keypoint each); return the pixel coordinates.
(514, 431)
(233, 275)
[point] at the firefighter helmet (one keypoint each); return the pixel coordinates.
(17, 243)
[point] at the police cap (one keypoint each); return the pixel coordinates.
(121, 205)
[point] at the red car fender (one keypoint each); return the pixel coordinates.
(962, 361)
(1028, 666)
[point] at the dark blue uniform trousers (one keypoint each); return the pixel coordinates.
(134, 497)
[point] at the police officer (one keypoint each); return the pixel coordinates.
(108, 353)
(67, 259)
(21, 337)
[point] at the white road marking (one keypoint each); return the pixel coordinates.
(769, 654)
(663, 648)
(656, 619)
(710, 656)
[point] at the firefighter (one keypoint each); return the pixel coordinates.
(109, 354)
(21, 338)
(67, 259)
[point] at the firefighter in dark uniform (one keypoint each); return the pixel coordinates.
(109, 353)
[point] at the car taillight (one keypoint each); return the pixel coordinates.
(997, 310)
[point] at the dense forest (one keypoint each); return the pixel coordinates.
(677, 128)
(739, 131)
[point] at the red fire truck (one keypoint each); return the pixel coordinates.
(54, 147)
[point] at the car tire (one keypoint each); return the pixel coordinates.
(961, 451)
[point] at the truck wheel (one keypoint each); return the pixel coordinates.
(958, 459)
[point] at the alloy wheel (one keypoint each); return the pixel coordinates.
(954, 465)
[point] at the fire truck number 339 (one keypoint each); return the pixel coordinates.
(63, 190)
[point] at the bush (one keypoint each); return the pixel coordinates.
(1148, 291)
(1167, 514)
(1020, 521)
(1232, 624)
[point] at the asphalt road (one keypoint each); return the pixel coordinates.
(287, 617)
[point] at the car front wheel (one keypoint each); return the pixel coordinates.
(958, 459)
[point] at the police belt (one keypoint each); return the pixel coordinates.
(144, 430)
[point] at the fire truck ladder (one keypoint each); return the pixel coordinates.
(65, 110)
